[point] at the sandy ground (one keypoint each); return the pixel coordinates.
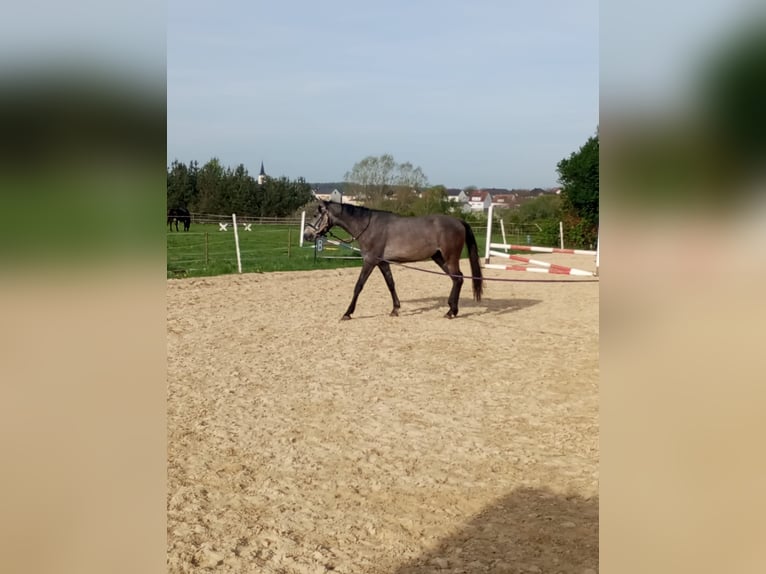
(301, 444)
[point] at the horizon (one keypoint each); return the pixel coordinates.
(341, 181)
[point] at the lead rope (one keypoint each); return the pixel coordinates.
(505, 279)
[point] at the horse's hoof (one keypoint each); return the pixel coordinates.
(395, 313)
(346, 318)
(450, 315)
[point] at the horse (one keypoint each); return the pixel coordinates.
(385, 238)
(176, 214)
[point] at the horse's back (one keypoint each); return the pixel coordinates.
(418, 238)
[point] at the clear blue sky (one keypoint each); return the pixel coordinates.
(491, 93)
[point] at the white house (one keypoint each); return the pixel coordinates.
(480, 200)
(457, 196)
(335, 196)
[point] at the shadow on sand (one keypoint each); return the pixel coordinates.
(529, 530)
(467, 307)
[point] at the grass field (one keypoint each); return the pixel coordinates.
(206, 251)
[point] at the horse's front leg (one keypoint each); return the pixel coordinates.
(363, 276)
(385, 268)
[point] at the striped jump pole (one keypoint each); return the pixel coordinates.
(545, 266)
(557, 271)
(543, 249)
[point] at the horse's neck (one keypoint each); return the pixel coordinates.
(351, 224)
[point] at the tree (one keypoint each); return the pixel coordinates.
(411, 177)
(579, 176)
(378, 179)
(209, 183)
(242, 188)
(215, 189)
(281, 197)
(542, 208)
(432, 200)
(371, 179)
(182, 184)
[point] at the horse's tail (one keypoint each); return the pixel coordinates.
(473, 256)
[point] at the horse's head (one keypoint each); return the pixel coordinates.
(322, 223)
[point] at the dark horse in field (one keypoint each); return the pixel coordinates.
(176, 214)
(385, 238)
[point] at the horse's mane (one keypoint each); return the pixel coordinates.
(356, 210)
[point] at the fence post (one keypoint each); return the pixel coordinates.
(489, 234)
(598, 243)
(502, 231)
(303, 226)
(561, 233)
(236, 241)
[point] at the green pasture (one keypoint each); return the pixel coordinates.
(206, 251)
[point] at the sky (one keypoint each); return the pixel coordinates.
(490, 93)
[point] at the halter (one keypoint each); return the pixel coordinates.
(325, 225)
(324, 220)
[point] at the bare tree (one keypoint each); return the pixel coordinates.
(376, 179)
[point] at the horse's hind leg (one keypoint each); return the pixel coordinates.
(385, 268)
(457, 282)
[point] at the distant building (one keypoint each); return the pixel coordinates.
(262, 176)
(505, 200)
(335, 196)
(480, 200)
(455, 195)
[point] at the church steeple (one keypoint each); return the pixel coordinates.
(262, 175)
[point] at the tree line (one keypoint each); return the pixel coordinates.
(382, 183)
(221, 190)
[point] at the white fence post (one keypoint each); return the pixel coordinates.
(561, 233)
(598, 244)
(303, 225)
(236, 241)
(502, 231)
(489, 234)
